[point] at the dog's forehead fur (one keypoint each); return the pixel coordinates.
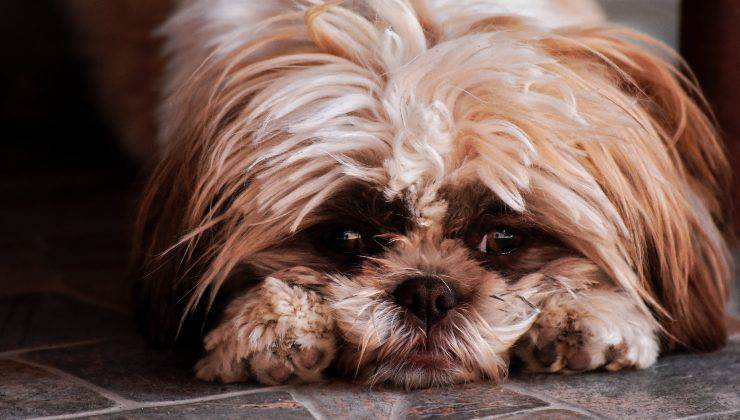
(488, 108)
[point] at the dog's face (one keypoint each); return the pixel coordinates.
(440, 174)
(432, 300)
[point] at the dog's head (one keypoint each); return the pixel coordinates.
(440, 170)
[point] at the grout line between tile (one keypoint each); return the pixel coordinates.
(308, 402)
(134, 405)
(16, 352)
(111, 410)
(70, 293)
(213, 397)
(555, 406)
(711, 415)
(119, 400)
(553, 402)
(89, 300)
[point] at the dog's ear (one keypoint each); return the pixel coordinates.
(156, 273)
(683, 261)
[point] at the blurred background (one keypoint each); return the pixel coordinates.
(72, 159)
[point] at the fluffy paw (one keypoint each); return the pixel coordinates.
(588, 331)
(280, 332)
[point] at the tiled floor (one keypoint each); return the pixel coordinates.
(61, 357)
(68, 347)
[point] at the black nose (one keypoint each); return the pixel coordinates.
(427, 298)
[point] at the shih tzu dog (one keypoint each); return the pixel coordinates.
(415, 192)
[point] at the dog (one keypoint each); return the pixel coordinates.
(419, 192)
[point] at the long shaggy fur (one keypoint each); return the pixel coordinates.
(588, 132)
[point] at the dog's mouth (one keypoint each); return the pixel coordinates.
(425, 364)
(419, 369)
(428, 350)
(428, 360)
(392, 344)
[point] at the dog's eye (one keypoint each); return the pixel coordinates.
(501, 240)
(349, 241)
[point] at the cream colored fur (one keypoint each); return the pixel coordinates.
(280, 331)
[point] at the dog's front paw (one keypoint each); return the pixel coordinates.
(280, 332)
(595, 329)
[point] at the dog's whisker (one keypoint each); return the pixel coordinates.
(530, 304)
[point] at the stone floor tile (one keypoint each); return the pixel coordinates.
(267, 405)
(26, 391)
(340, 400)
(40, 319)
(467, 401)
(677, 386)
(546, 414)
(129, 368)
(732, 415)
(733, 325)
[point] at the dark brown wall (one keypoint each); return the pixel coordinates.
(46, 109)
(710, 42)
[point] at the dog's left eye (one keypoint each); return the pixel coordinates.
(501, 240)
(349, 241)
